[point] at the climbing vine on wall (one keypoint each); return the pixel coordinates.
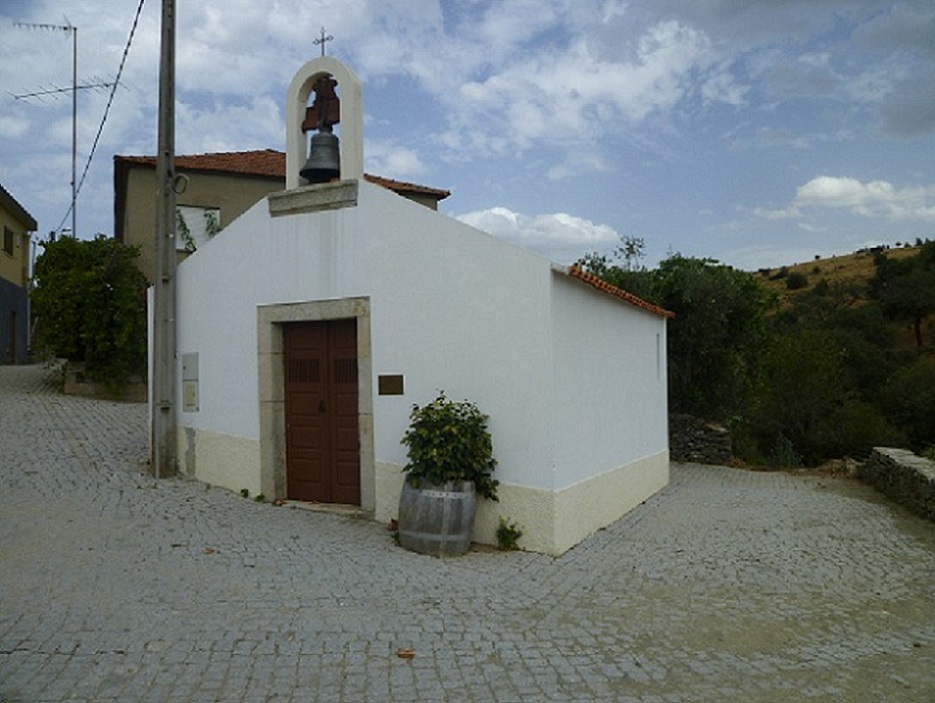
(210, 227)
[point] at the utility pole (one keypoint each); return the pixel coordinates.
(163, 394)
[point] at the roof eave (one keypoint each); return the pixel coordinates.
(14, 206)
(605, 287)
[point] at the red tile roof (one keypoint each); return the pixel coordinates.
(269, 163)
(606, 287)
(406, 187)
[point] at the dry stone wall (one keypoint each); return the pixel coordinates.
(906, 478)
(698, 441)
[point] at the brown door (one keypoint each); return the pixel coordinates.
(322, 441)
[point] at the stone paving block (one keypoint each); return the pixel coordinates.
(728, 585)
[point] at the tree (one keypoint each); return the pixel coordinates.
(809, 398)
(622, 268)
(905, 288)
(90, 306)
(909, 401)
(716, 338)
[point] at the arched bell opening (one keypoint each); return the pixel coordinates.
(334, 92)
(324, 153)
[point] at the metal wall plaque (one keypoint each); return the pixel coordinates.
(390, 384)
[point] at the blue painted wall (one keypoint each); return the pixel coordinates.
(14, 311)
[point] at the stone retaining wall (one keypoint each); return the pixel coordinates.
(906, 478)
(75, 382)
(698, 441)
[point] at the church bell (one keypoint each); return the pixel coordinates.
(324, 158)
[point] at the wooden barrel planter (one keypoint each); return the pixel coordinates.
(437, 520)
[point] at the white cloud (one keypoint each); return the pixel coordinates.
(720, 86)
(781, 214)
(875, 85)
(571, 96)
(808, 227)
(558, 236)
(254, 125)
(13, 127)
(871, 199)
(612, 9)
(391, 160)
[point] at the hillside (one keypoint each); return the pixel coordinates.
(856, 268)
(844, 279)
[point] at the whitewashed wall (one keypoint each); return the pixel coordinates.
(452, 308)
(216, 290)
(610, 382)
(570, 377)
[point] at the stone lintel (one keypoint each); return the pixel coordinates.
(313, 198)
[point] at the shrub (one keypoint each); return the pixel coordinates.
(508, 535)
(783, 454)
(449, 441)
(795, 281)
(90, 306)
(909, 401)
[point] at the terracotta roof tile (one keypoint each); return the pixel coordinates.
(266, 162)
(606, 287)
(406, 187)
(271, 163)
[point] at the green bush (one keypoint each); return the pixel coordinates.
(508, 535)
(783, 454)
(449, 441)
(808, 397)
(90, 306)
(854, 428)
(795, 281)
(909, 402)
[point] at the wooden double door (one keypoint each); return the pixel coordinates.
(321, 405)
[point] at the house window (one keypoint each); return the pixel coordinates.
(8, 240)
(196, 225)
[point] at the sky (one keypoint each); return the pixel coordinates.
(754, 132)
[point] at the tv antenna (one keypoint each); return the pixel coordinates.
(71, 29)
(96, 83)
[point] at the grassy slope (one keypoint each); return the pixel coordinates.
(852, 268)
(856, 268)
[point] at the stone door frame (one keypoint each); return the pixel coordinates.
(271, 378)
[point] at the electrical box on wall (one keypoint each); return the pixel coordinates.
(190, 382)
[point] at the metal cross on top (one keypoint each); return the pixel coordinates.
(323, 40)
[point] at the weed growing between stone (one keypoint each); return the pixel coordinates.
(508, 535)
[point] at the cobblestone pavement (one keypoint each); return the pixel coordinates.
(729, 585)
